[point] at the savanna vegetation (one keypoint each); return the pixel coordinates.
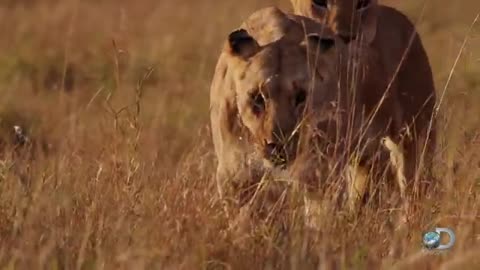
(117, 171)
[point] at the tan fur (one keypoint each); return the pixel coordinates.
(278, 64)
(390, 36)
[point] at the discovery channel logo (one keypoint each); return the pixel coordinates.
(432, 239)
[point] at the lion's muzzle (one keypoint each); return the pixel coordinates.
(279, 154)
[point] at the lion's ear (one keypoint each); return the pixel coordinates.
(316, 42)
(369, 24)
(242, 44)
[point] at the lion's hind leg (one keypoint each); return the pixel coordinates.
(397, 160)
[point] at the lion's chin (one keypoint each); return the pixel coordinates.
(269, 164)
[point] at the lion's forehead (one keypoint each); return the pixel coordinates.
(281, 65)
(270, 79)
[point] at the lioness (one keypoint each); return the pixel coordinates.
(267, 74)
(270, 83)
(393, 38)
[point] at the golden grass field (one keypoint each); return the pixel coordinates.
(114, 95)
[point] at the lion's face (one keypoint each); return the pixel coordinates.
(273, 86)
(347, 18)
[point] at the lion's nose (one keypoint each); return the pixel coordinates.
(275, 153)
(271, 148)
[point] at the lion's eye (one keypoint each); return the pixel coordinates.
(361, 4)
(320, 3)
(258, 102)
(300, 97)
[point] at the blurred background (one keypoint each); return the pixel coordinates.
(79, 48)
(58, 56)
(114, 95)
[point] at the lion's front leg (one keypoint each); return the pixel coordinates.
(223, 189)
(238, 217)
(313, 212)
(236, 182)
(233, 184)
(357, 180)
(307, 174)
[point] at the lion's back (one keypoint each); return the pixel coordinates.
(415, 76)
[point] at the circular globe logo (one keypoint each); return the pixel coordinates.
(431, 240)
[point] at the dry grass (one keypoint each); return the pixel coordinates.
(119, 174)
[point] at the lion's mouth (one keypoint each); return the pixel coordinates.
(278, 161)
(276, 154)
